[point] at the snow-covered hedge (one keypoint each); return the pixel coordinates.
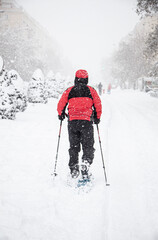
(60, 81)
(21, 96)
(37, 91)
(41, 88)
(15, 93)
(51, 85)
(12, 96)
(55, 84)
(7, 97)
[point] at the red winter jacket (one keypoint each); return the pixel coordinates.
(82, 100)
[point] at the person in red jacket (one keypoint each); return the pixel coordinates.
(84, 108)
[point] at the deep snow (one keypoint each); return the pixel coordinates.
(34, 207)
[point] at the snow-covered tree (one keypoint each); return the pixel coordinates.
(8, 101)
(152, 44)
(52, 85)
(60, 82)
(150, 8)
(18, 84)
(37, 91)
(154, 70)
(129, 61)
(147, 7)
(69, 82)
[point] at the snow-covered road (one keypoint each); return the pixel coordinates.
(133, 165)
(33, 207)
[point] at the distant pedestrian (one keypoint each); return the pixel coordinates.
(100, 86)
(109, 88)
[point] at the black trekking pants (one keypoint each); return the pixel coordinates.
(81, 133)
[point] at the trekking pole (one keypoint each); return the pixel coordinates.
(55, 173)
(106, 181)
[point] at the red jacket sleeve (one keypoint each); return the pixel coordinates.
(63, 101)
(96, 101)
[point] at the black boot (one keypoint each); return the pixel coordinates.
(74, 170)
(85, 169)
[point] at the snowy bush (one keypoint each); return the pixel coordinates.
(68, 82)
(7, 97)
(56, 84)
(37, 92)
(21, 97)
(51, 85)
(60, 83)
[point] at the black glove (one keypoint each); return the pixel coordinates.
(96, 120)
(61, 117)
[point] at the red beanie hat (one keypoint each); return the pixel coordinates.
(82, 74)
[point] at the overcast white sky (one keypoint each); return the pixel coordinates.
(86, 30)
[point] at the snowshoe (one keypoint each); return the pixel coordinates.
(83, 182)
(85, 175)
